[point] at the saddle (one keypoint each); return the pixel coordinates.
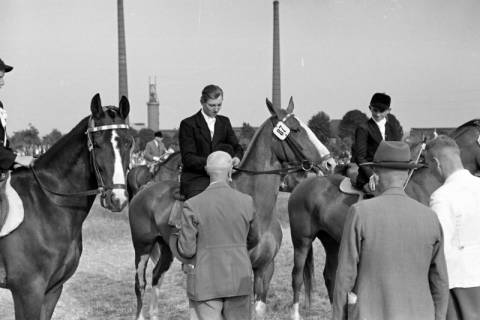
(11, 206)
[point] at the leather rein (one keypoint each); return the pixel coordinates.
(102, 188)
(302, 163)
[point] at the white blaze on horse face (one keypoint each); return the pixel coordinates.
(118, 173)
(322, 150)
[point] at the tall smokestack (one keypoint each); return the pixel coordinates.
(122, 53)
(276, 87)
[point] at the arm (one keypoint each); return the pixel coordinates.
(233, 141)
(187, 238)
(348, 259)
(190, 158)
(361, 144)
(438, 279)
(439, 204)
(253, 237)
(148, 155)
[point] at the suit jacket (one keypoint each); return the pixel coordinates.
(457, 204)
(215, 227)
(367, 139)
(391, 256)
(7, 156)
(196, 144)
(154, 148)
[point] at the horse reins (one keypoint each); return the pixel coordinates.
(102, 188)
(305, 164)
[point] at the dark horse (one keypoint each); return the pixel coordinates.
(141, 175)
(259, 176)
(317, 209)
(57, 193)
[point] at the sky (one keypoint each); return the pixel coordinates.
(334, 55)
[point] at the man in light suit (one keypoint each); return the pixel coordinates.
(155, 149)
(217, 229)
(381, 126)
(457, 204)
(201, 134)
(391, 263)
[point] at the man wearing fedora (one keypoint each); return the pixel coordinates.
(391, 263)
(216, 230)
(381, 126)
(457, 204)
(8, 158)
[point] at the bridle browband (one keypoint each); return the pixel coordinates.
(102, 188)
(302, 162)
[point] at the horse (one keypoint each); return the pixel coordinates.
(259, 174)
(138, 176)
(57, 192)
(317, 209)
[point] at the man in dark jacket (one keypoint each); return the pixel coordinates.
(8, 158)
(200, 135)
(381, 126)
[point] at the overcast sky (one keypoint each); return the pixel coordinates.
(335, 54)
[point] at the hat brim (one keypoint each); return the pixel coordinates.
(172, 243)
(394, 165)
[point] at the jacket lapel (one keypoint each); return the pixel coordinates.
(374, 130)
(217, 133)
(203, 127)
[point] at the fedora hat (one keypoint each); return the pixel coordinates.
(4, 67)
(380, 101)
(393, 155)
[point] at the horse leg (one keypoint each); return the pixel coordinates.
(51, 299)
(158, 272)
(141, 261)
(331, 247)
(28, 302)
(303, 254)
(262, 280)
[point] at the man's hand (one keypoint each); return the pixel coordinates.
(23, 161)
(373, 181)
(235, 161)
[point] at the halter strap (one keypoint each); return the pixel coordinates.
(108, 127)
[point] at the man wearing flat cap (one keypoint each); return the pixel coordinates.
(8, 158)
(381, 126)
(391, 263)
(217, 228)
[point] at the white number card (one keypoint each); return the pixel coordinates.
(281, 130)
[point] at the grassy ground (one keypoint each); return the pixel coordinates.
(102, 286)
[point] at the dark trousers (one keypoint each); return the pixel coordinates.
(232, 308)
(464, 304)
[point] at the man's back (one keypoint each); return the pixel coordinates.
(398, 240)
(222, 269)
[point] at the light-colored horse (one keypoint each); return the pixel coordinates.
(259, 177)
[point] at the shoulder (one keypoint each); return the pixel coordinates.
(190, 120)
(223, 119)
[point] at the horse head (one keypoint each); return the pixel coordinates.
(109, 143)
(467, 137)
(295, 142)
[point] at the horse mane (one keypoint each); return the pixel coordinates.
(471, 123)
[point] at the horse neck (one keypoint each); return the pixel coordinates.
(263, 188)
(422, 184)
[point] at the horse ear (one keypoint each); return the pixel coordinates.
(96, 106)
(271, 108)
(124, 107)
(290, 105)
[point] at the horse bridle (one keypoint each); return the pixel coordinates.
(102, 188)
(303, 163)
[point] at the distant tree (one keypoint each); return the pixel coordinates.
(144, 135)
(320, 125)
(25, 138)
(247, 131)
(51, 138)
(349, 123)
(171, 141)
(393, 119)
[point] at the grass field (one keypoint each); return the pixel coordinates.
(103, 286)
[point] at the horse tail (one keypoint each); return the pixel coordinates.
(309, 276)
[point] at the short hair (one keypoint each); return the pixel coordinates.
(440, 143)
(158, 134)
(211, 92)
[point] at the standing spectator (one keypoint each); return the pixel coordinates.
(457, 204)
(214, 228)
(391, 263)
(201, 134)
(155, 148)
(381, 126)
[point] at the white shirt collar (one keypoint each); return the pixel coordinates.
(210, 122)
(381, 125)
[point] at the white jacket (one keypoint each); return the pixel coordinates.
(457, 204)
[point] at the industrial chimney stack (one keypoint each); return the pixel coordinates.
(276, 87)
(122, 53)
